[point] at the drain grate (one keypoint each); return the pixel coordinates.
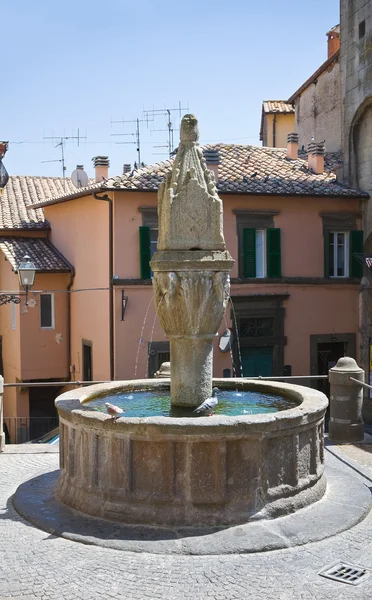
(346, 573)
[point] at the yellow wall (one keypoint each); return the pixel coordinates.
(80, 232)
(284, 124)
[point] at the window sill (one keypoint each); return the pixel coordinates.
(119, 282)
(297, 280)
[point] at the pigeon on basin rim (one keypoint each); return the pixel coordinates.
(113, 411)
(209, 404)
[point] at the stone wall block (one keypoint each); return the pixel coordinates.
(280, 461)
(305, 463)
(207, 472)
(151, 470)
(118, 465)
(243, 471)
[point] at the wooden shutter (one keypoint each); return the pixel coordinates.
(274, 267)
(327, 257)
(145, 252)
(249, 252)
(356, 247)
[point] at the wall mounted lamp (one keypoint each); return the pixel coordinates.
(124, 302)
(26, 275)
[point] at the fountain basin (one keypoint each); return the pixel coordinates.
(209, 471)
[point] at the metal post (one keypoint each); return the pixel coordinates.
(2, 434)
(346, 421)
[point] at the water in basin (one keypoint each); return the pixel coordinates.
(156, 403)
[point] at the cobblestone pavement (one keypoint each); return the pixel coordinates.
(36, 565)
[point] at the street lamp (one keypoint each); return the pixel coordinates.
(26, 274)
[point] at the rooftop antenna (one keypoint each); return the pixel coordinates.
(62, 139)
(167, 112)
(136, 134)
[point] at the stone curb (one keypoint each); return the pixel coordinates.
(346, 503)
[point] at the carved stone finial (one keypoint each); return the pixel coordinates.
(189, 129)
(189, 208)
(4, 177)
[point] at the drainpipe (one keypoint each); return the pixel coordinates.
(274, 131)
(106, 198)
(72, 275)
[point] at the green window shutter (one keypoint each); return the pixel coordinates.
(145, 252)
(356, 247)
(274, 266)
(249, 252)
(326, 254)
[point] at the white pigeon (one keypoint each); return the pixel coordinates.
(208, 405)
(113, 411)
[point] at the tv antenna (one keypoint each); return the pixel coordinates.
(136, 134)
(167, 112)
(61, 144)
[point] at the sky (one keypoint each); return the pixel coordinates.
(76, 67)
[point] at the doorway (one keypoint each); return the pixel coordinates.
(325, 350)
(256, 361)
(87, 361)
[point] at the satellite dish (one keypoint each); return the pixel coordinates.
(226, 341)
(79, 177)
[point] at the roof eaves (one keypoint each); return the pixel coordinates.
(314, 76)
(339, 196)
(67, 198)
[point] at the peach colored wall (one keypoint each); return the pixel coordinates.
(309, 309)
(44, 352)
(302, 247)
(80, 232)
(127, 220)
(11, 347)
(140, 324)
(284, 124)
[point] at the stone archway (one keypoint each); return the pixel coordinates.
(360, 147)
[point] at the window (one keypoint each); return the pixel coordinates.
(148, 240)
(13, 314)
(341, 254)
(261, 253)
(87, 361)
(338, 254)
(47, 311)
(158, 352)
(258, 243)
(362, 29)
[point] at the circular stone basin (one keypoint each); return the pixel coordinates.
(157, 403)
(211, 471)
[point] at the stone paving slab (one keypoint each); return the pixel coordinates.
(346, 502)
(35, 565)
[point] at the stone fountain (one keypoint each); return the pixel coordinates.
(191, 269)
(181, 472)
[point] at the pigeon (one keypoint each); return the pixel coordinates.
(208, 405)
(113, 411)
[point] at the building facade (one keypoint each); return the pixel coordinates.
(293, 233)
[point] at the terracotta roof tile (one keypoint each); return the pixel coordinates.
(249, 170)
(277, 106)
(41, 252)
(21, 192)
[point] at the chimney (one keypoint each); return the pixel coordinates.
(212, 158)
(101, 165)
(316, 157)
(292, 146)
(333, 40)
(127, 168)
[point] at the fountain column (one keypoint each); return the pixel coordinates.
(191, 269)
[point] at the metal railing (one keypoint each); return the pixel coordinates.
(19, 430)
